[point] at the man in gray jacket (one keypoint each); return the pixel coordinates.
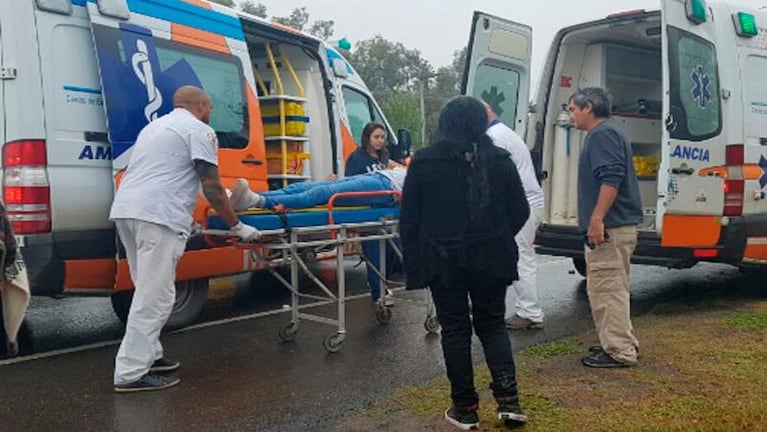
(609, 210)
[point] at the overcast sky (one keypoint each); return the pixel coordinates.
(439, 27)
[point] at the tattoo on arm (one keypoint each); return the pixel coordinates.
(211, 184)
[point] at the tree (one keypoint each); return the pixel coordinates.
(402, 110)
(446, 84)
(386, 66)
(323, 29)
(257, 9)
(297, 19)
(228, 3)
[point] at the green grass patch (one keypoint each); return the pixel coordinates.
(750, 321)
(698, 372)
(552, 349)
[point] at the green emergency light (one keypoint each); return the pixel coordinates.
(696, 10)
(745, 24)
(344, 44)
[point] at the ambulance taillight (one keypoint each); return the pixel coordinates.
(26, 189)
(734, 185)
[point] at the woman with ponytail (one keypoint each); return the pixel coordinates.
(462, 205)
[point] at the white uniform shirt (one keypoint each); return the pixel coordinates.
(396, 176)
(505, 138)
(160, 184)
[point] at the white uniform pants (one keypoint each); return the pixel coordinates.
(153, 251)
(525, 290)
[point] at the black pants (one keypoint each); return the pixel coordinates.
(487, 295)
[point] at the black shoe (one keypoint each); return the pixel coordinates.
(511, 412)
(464, 419)
(595, 349)
(603, 360)
(164, 365)
(147, 383)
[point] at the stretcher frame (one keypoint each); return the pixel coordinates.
(297, 247)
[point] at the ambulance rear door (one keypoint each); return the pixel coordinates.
(498, 67)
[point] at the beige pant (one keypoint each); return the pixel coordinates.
(608, 268)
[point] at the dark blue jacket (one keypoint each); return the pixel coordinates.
(360, 162)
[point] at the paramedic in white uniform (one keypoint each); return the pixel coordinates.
(527, 312)
(152, 212)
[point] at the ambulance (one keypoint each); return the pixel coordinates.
(688, 88)
(80, 78)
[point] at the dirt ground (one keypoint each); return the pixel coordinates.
(703, 367)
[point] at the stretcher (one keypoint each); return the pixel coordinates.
(299, 238)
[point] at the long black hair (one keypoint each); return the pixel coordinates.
(463, 122)
(383, 154)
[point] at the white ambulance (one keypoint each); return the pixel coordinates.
(80, 78)
(689, 89)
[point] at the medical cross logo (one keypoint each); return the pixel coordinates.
(494, 99)
(700, 88)
(763, 166)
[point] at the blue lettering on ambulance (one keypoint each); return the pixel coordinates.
(101, 153)
(691, 153)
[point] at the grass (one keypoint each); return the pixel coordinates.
(702, 369)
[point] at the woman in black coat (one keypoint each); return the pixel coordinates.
(462, 205)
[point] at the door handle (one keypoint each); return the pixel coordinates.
(253, 161)
(680, 170)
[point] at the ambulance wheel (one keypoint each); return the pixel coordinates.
(289, 332)
(334, 342)
(383, 314)
(431, 324)
(190, 298)
(580, 266)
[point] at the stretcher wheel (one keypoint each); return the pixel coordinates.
(383, 314)
(334, 342)
(431, 324)
(289, 332)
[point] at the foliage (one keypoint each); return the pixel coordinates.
(228, 3)
(297, 19)
(257, 9)
(402, 110)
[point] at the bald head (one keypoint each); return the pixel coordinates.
(490, 113)
(194, 100)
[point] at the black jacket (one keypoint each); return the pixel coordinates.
(436, 229)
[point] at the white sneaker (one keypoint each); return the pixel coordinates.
(242, 197)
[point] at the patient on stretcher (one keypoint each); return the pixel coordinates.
(317, 193)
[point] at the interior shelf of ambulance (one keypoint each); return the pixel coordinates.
(282, 98)
(626, 61)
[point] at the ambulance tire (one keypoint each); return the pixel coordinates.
(580, 266)
(190, 299)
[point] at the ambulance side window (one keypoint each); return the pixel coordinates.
(358, 110)
(694, 87)
(220, 76)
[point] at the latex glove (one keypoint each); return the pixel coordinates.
(246, 232)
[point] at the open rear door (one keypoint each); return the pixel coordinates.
(693, 166)
(147, 49)
(498, 67)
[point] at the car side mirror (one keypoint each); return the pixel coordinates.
(401, 151)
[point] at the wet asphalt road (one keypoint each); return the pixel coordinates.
(238, 376)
